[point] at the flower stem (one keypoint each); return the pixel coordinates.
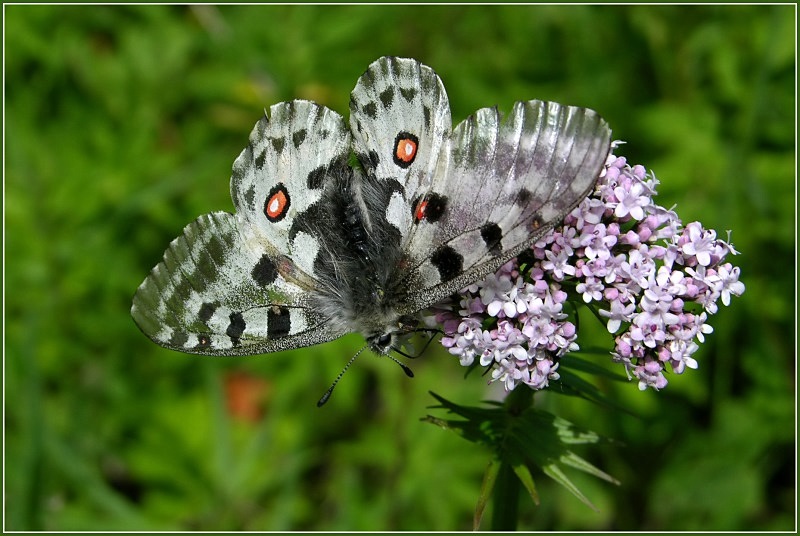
(518, 400)
(507, 487)
(506, 499)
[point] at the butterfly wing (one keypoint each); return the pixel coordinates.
(506, 183)
(241, 284)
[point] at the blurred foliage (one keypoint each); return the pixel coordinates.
(121, 125)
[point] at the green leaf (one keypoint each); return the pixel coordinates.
(525, 476)
(572, 435)
(573, 385)
(506, 500)
(522, 439)
(573, 361)
(553, 471)
(487, 487)
(575, 461)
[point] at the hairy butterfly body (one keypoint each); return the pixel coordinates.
(318, 248)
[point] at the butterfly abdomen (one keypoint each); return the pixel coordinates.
(353, 224)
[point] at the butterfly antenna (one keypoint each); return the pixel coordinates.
(403, 366)
(329, 392)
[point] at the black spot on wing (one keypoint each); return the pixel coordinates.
(408, 93)
(523, 197)
(278, 144)
(178, 339)
(236, 327)
(206, 312)
(426, 114)
(371, 110)
(250, 197)
(374, 158)
(299, 137)
(367, 79)
(492, 234)
(309, 220)
(203, 341)
(261, 158)
(278, 322)
(448, 262)
(264, 272)
(387, 96)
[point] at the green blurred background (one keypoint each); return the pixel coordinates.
(122, 124)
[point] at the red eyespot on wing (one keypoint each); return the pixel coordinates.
(430, 207)
(405, 149)
(277, 204)
(419, 213)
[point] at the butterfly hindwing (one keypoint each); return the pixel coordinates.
(241, 285)
(212, 295)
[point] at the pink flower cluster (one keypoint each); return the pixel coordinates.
(652, 280)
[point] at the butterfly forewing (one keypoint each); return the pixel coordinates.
(507, 183)
(282, 172)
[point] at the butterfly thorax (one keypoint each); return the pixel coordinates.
(360, 259)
